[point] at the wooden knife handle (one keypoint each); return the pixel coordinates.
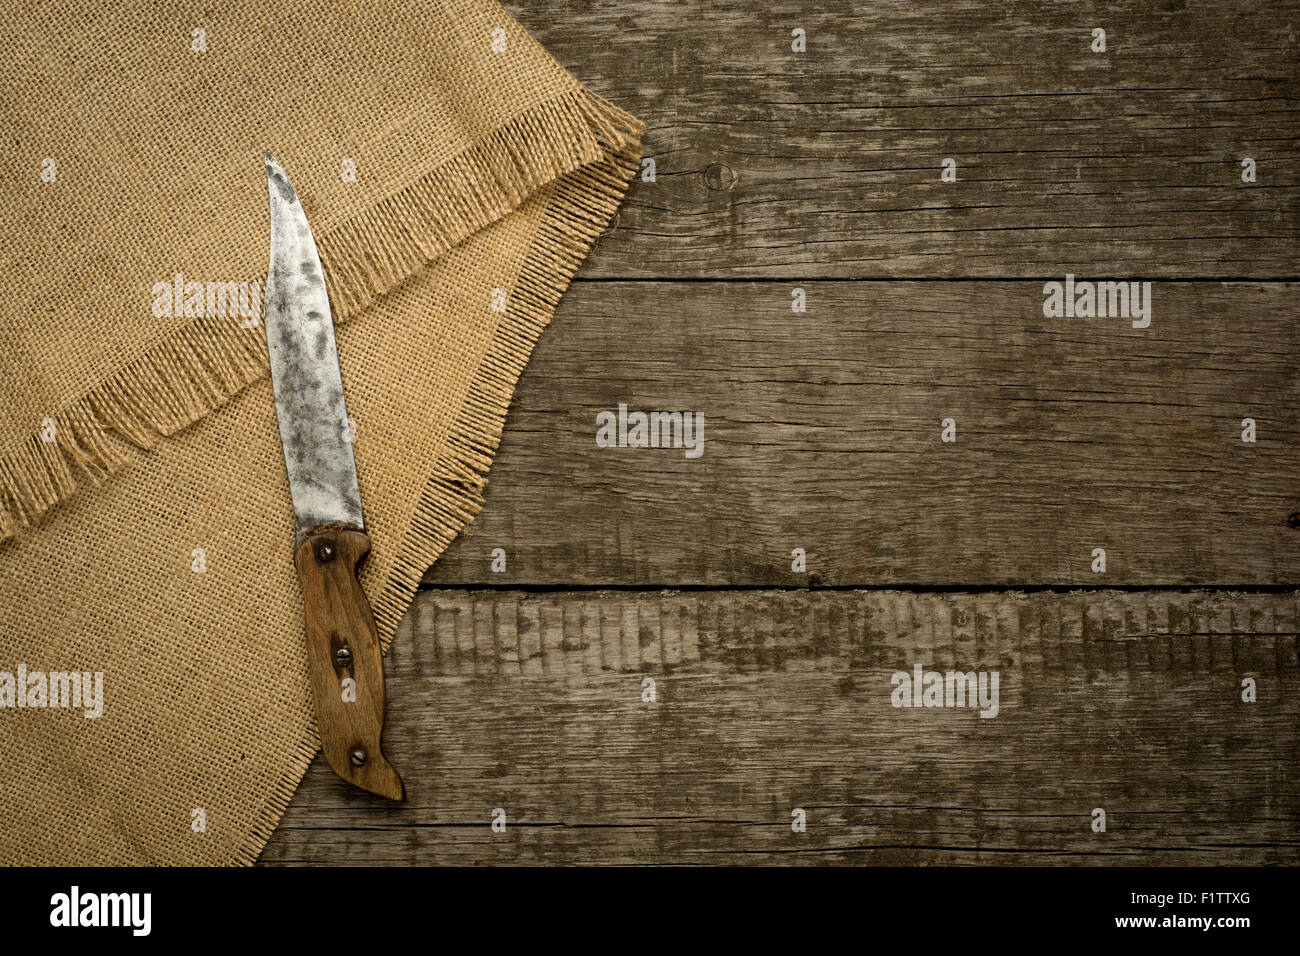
(347, 670)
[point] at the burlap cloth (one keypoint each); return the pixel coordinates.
(143, 501)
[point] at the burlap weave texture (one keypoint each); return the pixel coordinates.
(143, 504)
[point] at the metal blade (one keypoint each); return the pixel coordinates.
(309, 401)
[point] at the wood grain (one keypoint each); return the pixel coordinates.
(771, 701)
(826, 164)
(822, 432)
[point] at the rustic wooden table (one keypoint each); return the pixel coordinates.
(653, 679)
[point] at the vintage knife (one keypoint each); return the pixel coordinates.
(346, 664)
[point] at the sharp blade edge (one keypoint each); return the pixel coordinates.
(309, 403)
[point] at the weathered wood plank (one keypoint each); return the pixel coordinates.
(771, 701)
(823, 432)
(1121, 163)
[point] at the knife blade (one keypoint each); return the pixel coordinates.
(330, 540)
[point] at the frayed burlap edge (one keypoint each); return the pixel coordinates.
(583, 203)
(585, 198)
(201, 366)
